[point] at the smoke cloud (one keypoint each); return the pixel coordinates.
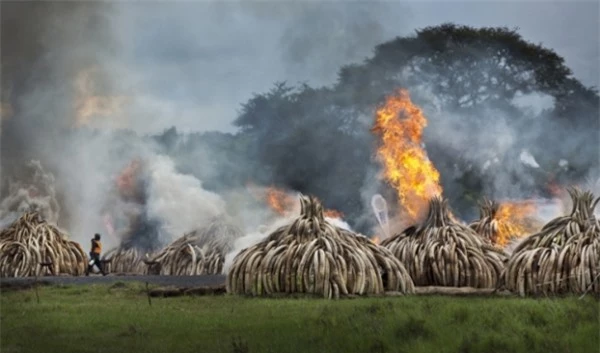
(177, 200)
(32, 192)
(44, 45)
(190, 71)
(87, 87)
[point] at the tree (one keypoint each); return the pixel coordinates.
(464, 65)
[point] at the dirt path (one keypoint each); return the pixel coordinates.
(176, 281)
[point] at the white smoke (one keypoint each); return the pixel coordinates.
(179, 201)
(254, 238)
(173, 204)
(34, 192)
(339, 223)
(528, 159)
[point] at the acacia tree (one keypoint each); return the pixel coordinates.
(465, 66)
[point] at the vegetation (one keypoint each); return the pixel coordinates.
(118, 318)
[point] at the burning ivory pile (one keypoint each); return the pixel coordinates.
(502, 225)
(201, 252)
(30, 242)
(312, 256)
(487, 225)
(442, 252)
(564, 257)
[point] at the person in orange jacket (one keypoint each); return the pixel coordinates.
(95, 255)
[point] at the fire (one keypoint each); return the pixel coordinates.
(514, 220)
(127, 180)
(279, 201)
(90, 104)
(283, 203)
(5, 111)
(333, 214)
(376, 240)
(400, 124)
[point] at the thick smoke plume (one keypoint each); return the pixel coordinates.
(60, 65)
(44, 45)
(178, 199)
(153, 204)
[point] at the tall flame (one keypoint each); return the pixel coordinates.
(399, 124)
(515, 220)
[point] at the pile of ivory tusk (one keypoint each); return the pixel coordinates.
(563, 257)
(125, 261)
(30, 241)
(487, 224)
(201, 252)
(443, 252)
(312, 256)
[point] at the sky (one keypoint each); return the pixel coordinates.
(191, 64)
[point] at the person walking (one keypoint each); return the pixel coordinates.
(95, 255)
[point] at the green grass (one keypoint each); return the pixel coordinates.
(102, 318)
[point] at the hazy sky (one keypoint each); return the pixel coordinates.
(191, 64)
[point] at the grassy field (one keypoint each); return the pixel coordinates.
(118, 318)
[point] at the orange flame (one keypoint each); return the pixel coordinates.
(333, 214)
(5, 111)
(400, 124)
(376, 240)
(90, 104)
(279, 201)
(283, 203)
(515, 220)
(127, 182)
